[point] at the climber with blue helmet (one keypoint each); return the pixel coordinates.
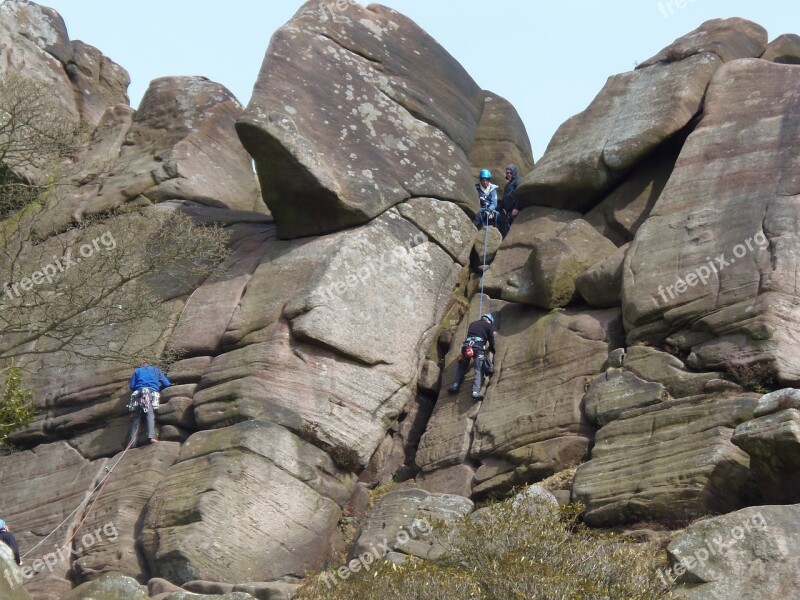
(487, 196)
(480, 340)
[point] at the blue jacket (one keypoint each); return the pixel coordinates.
(149, 376)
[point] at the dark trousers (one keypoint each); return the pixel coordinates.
(461, 371)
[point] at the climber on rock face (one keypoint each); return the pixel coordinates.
(480, 339)
(146, 384)
(9, 540)
(487, 195)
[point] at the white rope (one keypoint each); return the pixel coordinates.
(483, 271)
(86, 501)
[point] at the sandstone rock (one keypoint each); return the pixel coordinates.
(99, 82)
(501, 139)
(728, 39)
(429, 377)
(664, 368)
(456, 480)
(548, 279)
(194, 596)
(784, 49)
(402, 123)
(487, 242)
(777, 401)
(532, 224)
(619, 216)
(442, 222)
(108, 540)
(402, 521)
(725, 267)
(64, 481)
(601, 284)
(773, 443)
(269, 590)
(530, 418)
(12, 584)
(398, 448)
(692, 467)
(615, 391)
(111, 586)
(629, 118)
(751, 553)
(217, 469)
(532, 498)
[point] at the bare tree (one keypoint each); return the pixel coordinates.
(104, 289)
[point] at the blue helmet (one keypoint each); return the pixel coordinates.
(488, 316)
(2, 523)
(485, 174)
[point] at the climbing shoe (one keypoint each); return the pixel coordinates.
(452, 389)
(477, 396)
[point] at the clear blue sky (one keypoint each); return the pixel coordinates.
(549, 58)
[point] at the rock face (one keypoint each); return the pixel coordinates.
(519, 435)
(772, 439)
(784, 49)
(402, 523)
(751, 553)
(501, 139)
(35, 40)
(12, 584)
(725, 267)
(401, 122)
(669, 462)
(633, 114)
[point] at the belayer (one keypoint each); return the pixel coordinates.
(480, 339)
(487, 196)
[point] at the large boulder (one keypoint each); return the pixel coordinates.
(772, 439)
(111, 586)
(220, 468)
(549, 277)
(501, 139)
(12, 583)
(633, 114)
(717, 255)
(669, 462)
(601, 284)
(751, 553)
(784, 49)
(352, 115)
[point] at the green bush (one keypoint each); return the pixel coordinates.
(507, 553)
(16, 409)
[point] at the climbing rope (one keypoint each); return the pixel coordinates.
(483, 270)
(101, 485)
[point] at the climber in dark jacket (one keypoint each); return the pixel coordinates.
(9, 540)
(480, 339)
(508, 205)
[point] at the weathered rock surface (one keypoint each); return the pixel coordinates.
(633, 114)
(549, 277)
(402, 522)
(220, 467)
(501, 139)
(751, 553)
(664, 368)
(36, 42)
(619, 216)
(616, 391)
(12, 584)
(111, 586)
(531, 226)
(601, 284)
(719, 258)
(531, 420)
(784, 49)
(669, 463)
(401, 123)
(772, 439)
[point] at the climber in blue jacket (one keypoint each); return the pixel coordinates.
(146, 384)
(487, 195)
